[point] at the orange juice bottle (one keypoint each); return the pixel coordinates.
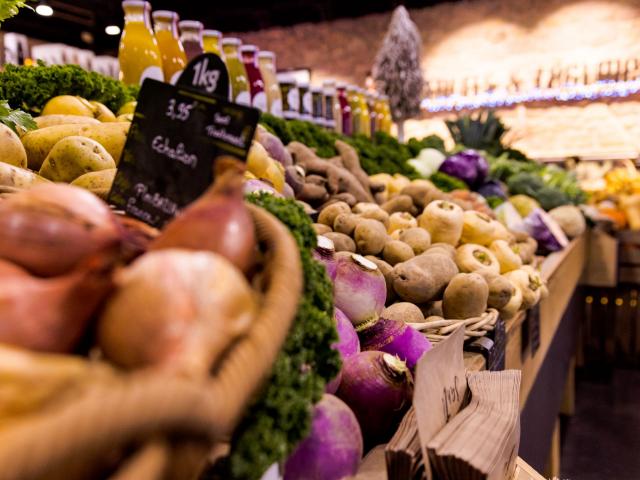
(139, 55)
(365, 118)
(173, 57)
(266, 64)
(386, 120)
(211, 42)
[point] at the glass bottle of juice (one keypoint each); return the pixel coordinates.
(356, 112)
(373, 115)
(290, 96)
(211, 42)
(238, 81)
(317, 114)
(138, 54)
(345, 108)
(305, 101)
(267, 67)
(365, 118)
(191, 38)
(256, 84)
(173, 57)
(331, 106)
(386, 115)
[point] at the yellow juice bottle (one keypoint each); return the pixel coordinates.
(211, 42)
(387, 119)
(173, 57)
(356, 113)
(365, 118)
(138, 54)
(238, 81)
(267, 67)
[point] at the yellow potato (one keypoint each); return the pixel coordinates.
(16, 177)
(68, 105)
(74, 156)
(128, 107)
(38, 143)
(125, 117)
(45, 121)
(97, 182)
(102, 113)
(11, 149)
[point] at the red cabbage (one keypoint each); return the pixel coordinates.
(378, 387)
(492, 188)
(333, 449)
(397, 338)
(469, 166)
(546, 231)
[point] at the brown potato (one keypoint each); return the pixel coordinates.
(370, 236)
(396, 251)
(466, 296)
(404, 312)
(321, 229)
(342, 242)
(329, 213)
(346, 223)
(417, 238)
(424, 277)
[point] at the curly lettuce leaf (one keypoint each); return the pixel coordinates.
(15, 119)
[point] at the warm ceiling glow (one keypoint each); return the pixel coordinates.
(112, 30)
(44, 10)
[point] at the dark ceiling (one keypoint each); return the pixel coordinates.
(73, 17)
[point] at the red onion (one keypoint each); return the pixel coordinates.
(333, 449)
(378, 387)
(218, 221)
(397, 338)
(325, 254)
(348, 344)
(359, 289)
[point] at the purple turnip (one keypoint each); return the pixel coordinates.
(397, 338)
(333, 449)
(378, 387)
(348, 344)
(325, 254)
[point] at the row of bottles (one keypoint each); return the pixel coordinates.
(162, 52)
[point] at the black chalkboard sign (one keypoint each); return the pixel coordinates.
(497, 355)
(207, 73)
(175, 137)
(533, 320)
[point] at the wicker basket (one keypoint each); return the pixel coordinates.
(160, 412)
(475, 327)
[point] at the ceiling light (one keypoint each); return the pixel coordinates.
(44, 10)
(112, 30)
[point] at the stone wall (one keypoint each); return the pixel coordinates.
(492, 39)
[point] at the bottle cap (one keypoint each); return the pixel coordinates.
(231, 41)
(266, 54)
(248, 48)
(212, 33)
(164, 15)
(190, 25)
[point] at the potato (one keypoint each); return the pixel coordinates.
(465, 297)
(431, 309)
(424, 277)
(98, 183)
(342, 242)
(417, 238)
(400, 203)
(11, 149)
(329, 213)
(370, 236)
(68, 105)
(387, 271)
(362, 207)
(17, 177)
(404, 312)
(396, 251)
(500, 291)
(101, 112)
(377, 214)
(445, 248)
(321, 229)
(74, 156)
(346, 223)
(38, 143)
(44, 121)
(401, 220)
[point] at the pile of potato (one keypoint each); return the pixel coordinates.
(77, 141)
(439, 261)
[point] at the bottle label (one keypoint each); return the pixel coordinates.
(276, 107)
(260, 101)
(243, 98)
(307, 106)
(155, 73)
(293, 98)
(175, 77)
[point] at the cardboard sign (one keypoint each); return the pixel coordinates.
(440, 389)
(207, 73)
(175, 137)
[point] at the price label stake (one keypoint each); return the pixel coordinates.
(174, 140)
(207, 73)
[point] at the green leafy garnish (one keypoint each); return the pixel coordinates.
(10, 8)
(15, 118)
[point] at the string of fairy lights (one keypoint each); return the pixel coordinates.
(501, 98)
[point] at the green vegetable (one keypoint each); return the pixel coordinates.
(494, 202)
(15, 118)
(281, 415)
(525, 183)
(447, 183)
(482, 132)
(30, 88)
(432, 141)
(10, 8)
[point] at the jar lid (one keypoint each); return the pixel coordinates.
(212, 33)
(231, 41)
(303, 84)
(164, 14)
(248, 48)
(329, 83)
(190, 25)
(315, 90)
(134, 3)
(266, 54)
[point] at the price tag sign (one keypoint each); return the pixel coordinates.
(207, 73)
(174, 140)
(533, 320)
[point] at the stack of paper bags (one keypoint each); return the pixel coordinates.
(403, 453)
(481, 441)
